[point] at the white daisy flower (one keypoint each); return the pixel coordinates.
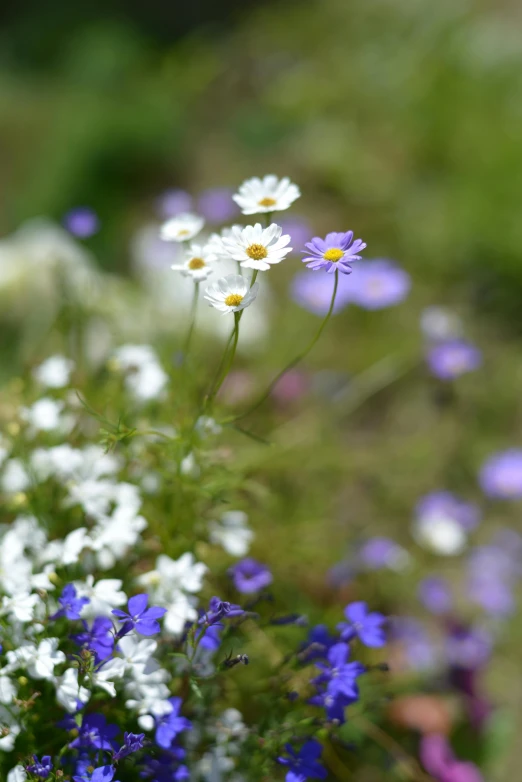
(181, 228)
(231, 293)
(256, 247)
(269, 194)
(198, 263)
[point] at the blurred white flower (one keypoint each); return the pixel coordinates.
(181, 228)
(69, 692)
(441, 535)
(205, 426)
(45, 415)
(231, 294)
(269, 194)
(20, 606)
(232, 533)
(54, 372)
(15, 478)
(145, 378)
(189, 466)
(17, 774)
(198, 264)
(439, 324)
(39, 661)
(104, 595)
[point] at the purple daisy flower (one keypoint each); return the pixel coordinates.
(378, 284)
(249, 575)
(501, 475)
(448, 360)
(335, 252)
(444, 504)
(314, 293)
(82, 221)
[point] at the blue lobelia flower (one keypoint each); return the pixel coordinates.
(140, 618)
(71, 604)
(132, 742)
(362, 624)
(220, 609)
(169, 725)
(100, 774)
(340, 676)
(40, 768)
(99, 638)
(303, 764)
(96, 733)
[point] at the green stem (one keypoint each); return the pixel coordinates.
(293, 363)
(228, 364)
(211, 393)
(193, 309)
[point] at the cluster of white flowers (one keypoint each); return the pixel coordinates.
(145, 378)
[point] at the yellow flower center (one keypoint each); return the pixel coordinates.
(267, 202)
(333, 254)
(234, 300)
(257, 252)
(183, 232)
(196, 263)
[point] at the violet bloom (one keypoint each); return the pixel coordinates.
(220, 609)
(334, 253)
(492, 572)
(100, 774)
(444, 504)
(249, 576)
(174, 202)
(340, 676)
(140, 618)
(379, 552)
(170, 725)
(378, 284)
(438, 759)
(216, 205)
(298, 229)
(82, 221)
(419, 651)
(96, 733)
(305, 763)
(314, 293)
(132, 742)
(317, 645)
(501, 475)
(448, 360)
(435, 595)
(99, 638)
(40, 768)
(364, 625)
(71, 605)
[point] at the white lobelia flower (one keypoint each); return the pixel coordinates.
(183, 574)
(104, 595)
(7, 689)
(69, 692)
(255, 247)
(9, 730)
(440, 534)
(20, 606)
(39, 661)
(232, 533)
(181, 228)
(105, 676)
(17, 774)
(231, 293)
(136, 651)
(198, 263)
(54, 372)
(269, 194)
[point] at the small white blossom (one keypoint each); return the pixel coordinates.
(104, 595)
(232, 533)
(181, 228)
(205, 426)
(39, 661)
(15, 478)
(17, 774)
(45, 416)
(54, 372)
(255, 247)
(231, 293)
(269, 194)
(69, 692)
(441, 535)
(7, 689)
(145, 378)
(189, 466)
(21, 606)
(105, 676)
(11, 727)
(198, 263)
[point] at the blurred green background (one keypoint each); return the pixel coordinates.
(400, 117)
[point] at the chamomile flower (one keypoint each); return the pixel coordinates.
(181, 228)
(256, 247)
(198, 263)
(269, 194)
(231, 293)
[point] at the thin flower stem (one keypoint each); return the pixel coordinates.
(292, 364)
(228, 364)
(193, 310)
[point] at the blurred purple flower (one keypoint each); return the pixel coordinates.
(82, 221)
(298, 228)
(291, 386)
(468, 647)
(501, 475)
(438, 759)
(216, 205)
(336, 252)
(419, 650)
(304, 764)
(448, 360)
(338, 675)
(314, 292)
(380, 552)
(444, 504)
(378, 284)
(169, 725)
(435, 595)
(249, 575)
(174, 202)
